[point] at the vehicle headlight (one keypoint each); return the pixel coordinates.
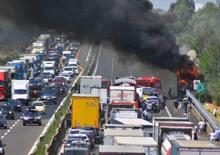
(53, 97)
(38, 117)
(19, 105)
(10, 112)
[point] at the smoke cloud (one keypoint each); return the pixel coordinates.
(130, 25)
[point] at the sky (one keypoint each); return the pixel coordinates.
(165, 4)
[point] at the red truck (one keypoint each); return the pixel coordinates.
(149, 81)
(4, 84)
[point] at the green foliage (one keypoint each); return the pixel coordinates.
(203, 28)
(210, 67)
(183, 11)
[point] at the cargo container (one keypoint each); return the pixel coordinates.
(89, 82)
(38, 46)
(20, 69)
(110, 133)
(85, 111)
(149, 144)
(119, 150)
(190, 147)
(5, 84)
(11, 70)
(20, 90)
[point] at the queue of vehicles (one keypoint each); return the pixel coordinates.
(31, 82)
(125, 129)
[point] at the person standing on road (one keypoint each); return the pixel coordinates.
(176, 105)
(201, 126)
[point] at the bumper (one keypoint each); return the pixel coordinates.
(32, 121)
(48, 100)
(24, 101)
(3, 125)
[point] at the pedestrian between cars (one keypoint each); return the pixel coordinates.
(176, 104)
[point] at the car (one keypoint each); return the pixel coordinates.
(38, 106)
(31, 117)
(66, 76)
(2, 146)
(46, 76)
(61, 88)
(153, 104)
(76, 147)
(7, 111)
(68, 70)
(58, 81)
(49, 94)
(84, 137)
(36, 85)
(16, 105)
(3, 123)
(76, 70)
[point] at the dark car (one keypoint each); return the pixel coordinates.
(2, 150)
(15, 105)
(36, 85)
(58, 81)
(60, 88)
(31, 117)
(7, 112)
(3, 123)
(49, 94)
(47, 77)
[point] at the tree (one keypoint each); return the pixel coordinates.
(183, 11)
(210, 67)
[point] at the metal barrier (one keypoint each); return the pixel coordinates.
(204, 113)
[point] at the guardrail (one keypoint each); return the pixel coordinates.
(204, 113)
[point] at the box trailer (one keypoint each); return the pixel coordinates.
(89, 82)
(85, 111)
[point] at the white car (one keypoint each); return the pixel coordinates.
(68, 70)
(65, 76)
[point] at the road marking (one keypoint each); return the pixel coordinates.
(97, 62)
(88, 55)
(11, 127)
(2, 137)
(5, 133)
(168, 112)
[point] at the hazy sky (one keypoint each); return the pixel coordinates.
(165, 4)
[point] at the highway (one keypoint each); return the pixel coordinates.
(19, 139)
(113, 64)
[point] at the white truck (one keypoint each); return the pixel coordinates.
(103, 94)
(89, 82)
(190, 147)
(38, 46)
(148, 143)
(20, 90)
(49, 67)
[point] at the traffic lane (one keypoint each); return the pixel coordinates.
(28, 134)
(84, 51)
(113, 64)
(22, 138)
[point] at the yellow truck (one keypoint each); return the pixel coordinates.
(85, 111)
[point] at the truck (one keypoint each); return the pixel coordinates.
(11, 70)
(123, 96)
(149, 81)
(38, 46)
(85, 111)
(148, 143)
(121, 149)
(5, 84)
(190, 147)
(20, 68)
(20, 90)
(89, 82)
(49, 67)
(103, 94)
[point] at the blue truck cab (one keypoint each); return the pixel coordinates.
(20, 68)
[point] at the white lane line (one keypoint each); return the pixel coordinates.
(11, 127)
(5, 133)
(168, 112)
(88, 55)
(97, 62)
(2, 137)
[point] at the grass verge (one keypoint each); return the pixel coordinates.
(45, 140)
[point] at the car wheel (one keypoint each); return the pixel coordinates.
(24, 124)
(5, 127)
(39, 124)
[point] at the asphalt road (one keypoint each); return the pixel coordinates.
(19, 139)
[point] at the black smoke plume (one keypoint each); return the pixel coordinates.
(130, 25)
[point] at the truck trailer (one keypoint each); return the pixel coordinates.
(5, 84)
(85, 111)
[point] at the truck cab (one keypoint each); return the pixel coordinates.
(4, 84)
(20, 90)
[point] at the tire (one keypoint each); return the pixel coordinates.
(39, 123)
(24, 124)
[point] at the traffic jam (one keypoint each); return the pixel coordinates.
(123, 117)
(37, 79)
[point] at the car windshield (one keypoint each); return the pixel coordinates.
(45, 75)
(68, 69)
(20, 91)
(148, 91)
(48, 68)
(37, 103)
(28, 114)
(34, 81)
(2, 118)
(67, 54)
(2, 83)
